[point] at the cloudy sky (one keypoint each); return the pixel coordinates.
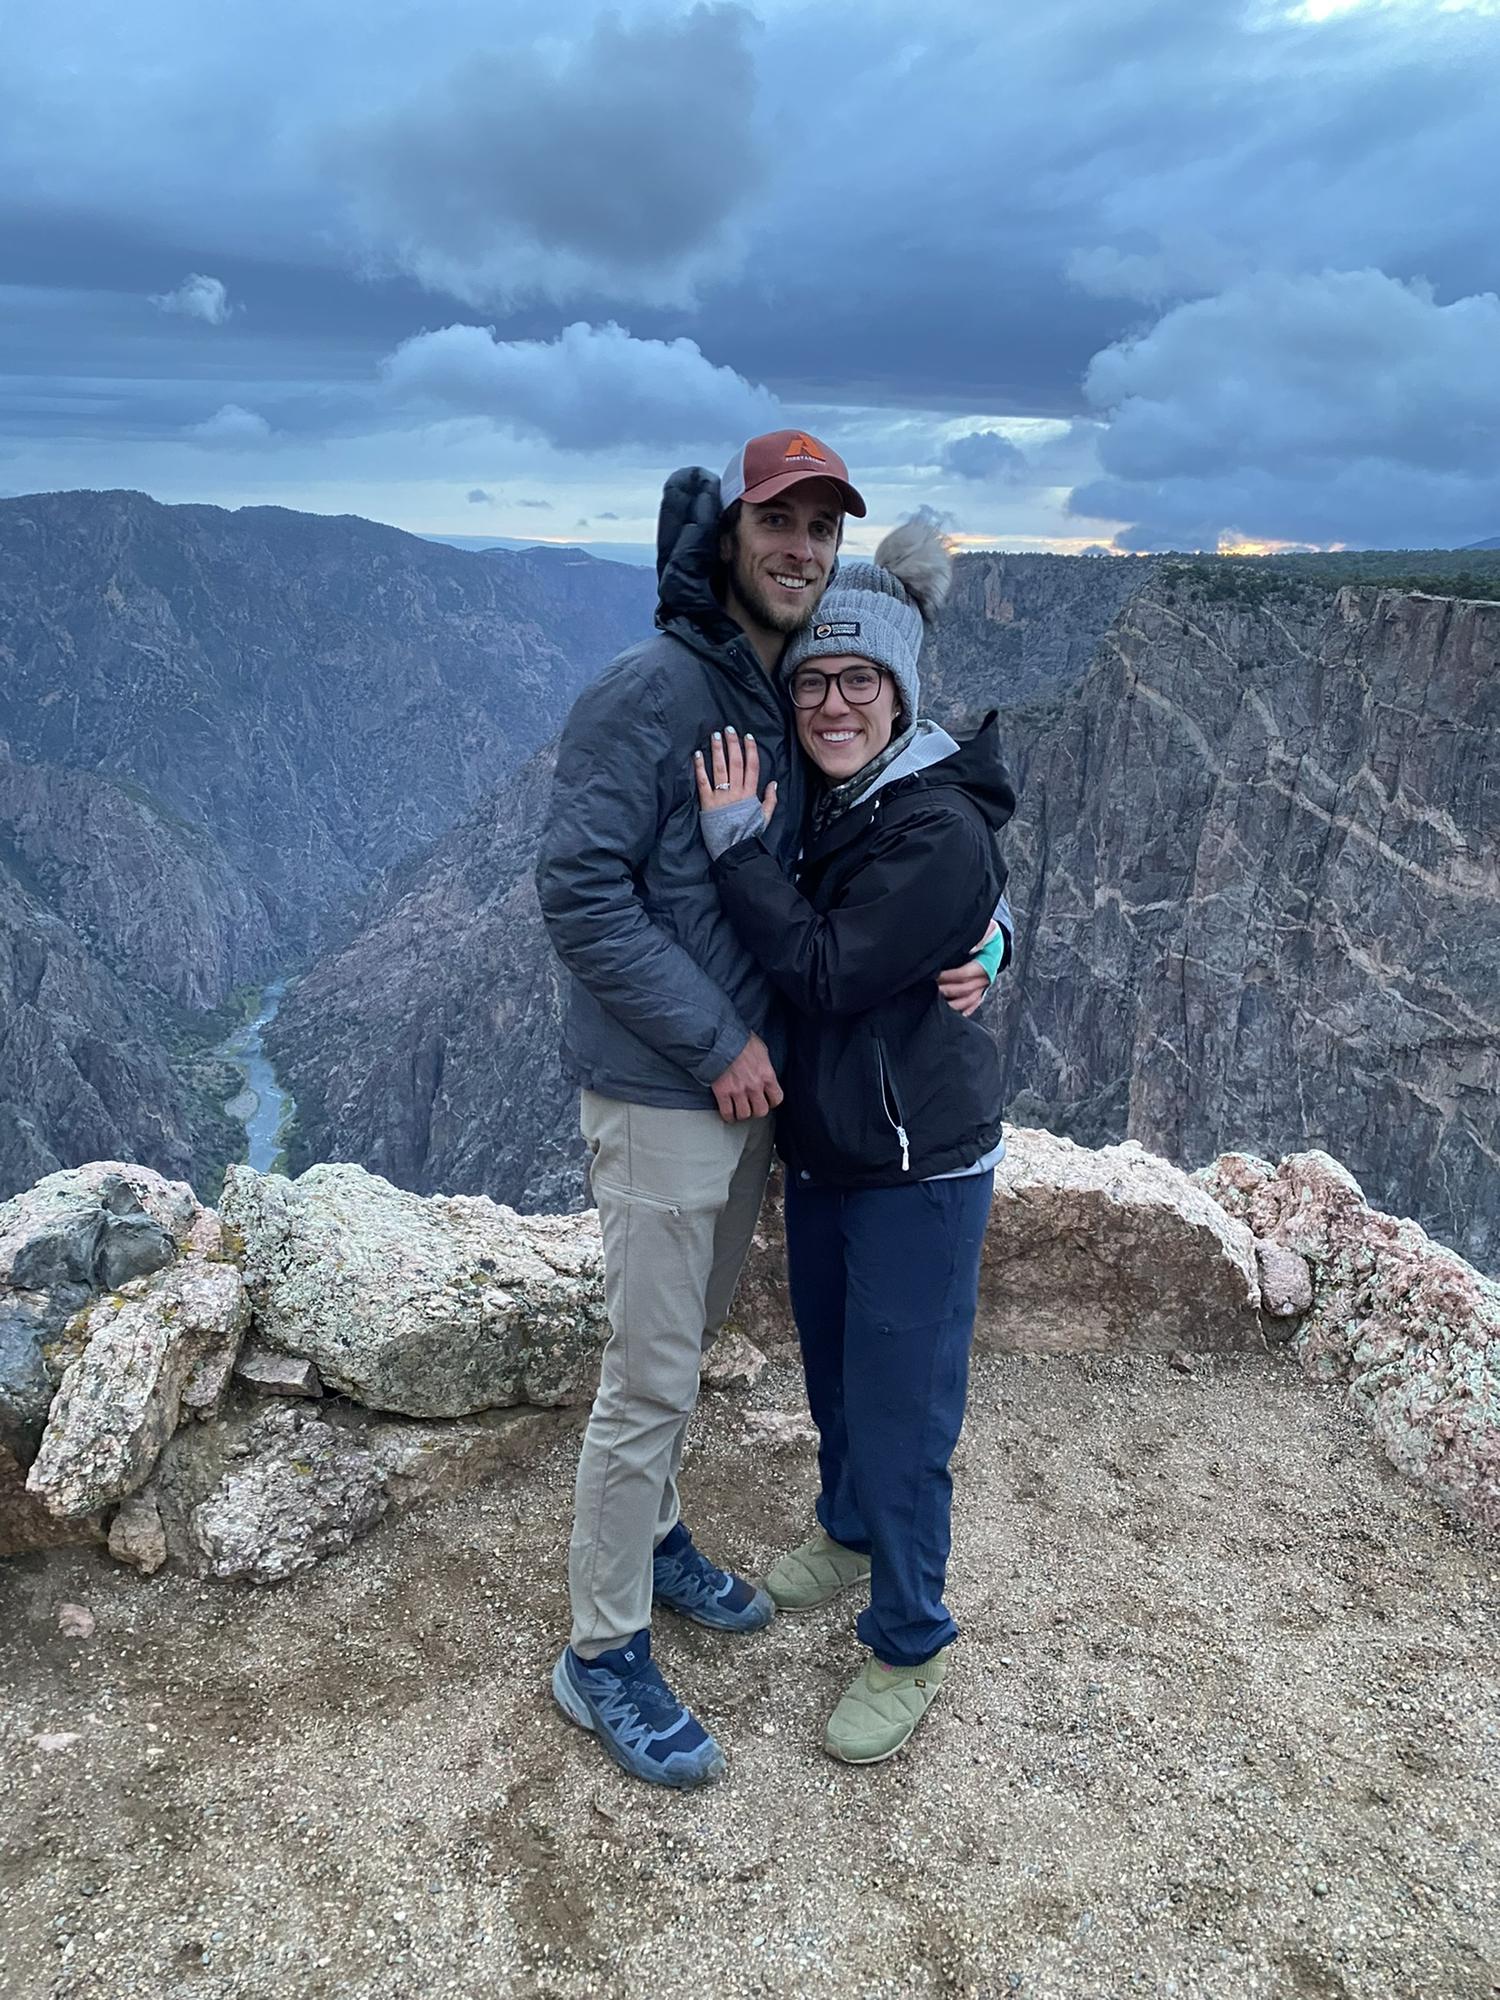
(1137, 273)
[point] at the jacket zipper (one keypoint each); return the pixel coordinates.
(888, 1101)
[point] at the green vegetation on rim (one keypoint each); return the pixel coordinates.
(1252, 580)
(290, 1145)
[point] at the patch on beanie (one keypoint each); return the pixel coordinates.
(841, 628)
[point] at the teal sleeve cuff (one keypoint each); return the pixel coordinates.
(990, 955)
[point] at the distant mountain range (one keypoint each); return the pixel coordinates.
(636, 553)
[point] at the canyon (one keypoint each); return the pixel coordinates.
(1256, 867)
(1254, 863)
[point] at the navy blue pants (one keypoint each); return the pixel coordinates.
(884, 1285)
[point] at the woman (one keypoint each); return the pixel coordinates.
(891, 1125)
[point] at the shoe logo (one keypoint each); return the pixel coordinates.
(803, 451)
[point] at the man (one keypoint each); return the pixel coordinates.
(671, 1029)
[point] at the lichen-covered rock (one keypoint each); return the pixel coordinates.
(1410, 1327)
(136, 1534)
(194, 1229)
(433, 1306)
(272, 1374)
(206, 1387)
(97, 1226)
(415, 1462)
(305, 1490)
(1286, 1288)
(90, 1229)
(780, 1428)
(1112, 1250)
(732, 1362)
(121, 1399)
(25, 1385)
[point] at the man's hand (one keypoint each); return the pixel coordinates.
(748, 1088)
(964, 986)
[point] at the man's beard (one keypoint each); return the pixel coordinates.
(783, 618)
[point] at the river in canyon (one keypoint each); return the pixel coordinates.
(262, 1106)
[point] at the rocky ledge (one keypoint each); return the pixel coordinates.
(165, 1369)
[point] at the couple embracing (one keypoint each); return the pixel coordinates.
(776, 888)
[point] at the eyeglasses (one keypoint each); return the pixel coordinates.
(858, 685)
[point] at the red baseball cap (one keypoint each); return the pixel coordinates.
(768, 465)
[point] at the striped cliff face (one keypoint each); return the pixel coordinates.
(1256, 867)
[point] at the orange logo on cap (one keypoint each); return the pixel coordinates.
(803, 448)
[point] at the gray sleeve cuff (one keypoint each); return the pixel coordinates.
(724, 827)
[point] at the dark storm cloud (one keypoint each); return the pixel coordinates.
(109, 362)
(983, 455)
(1343, 407)
(592, 388)
(1368, 139)
(945, 343)
(940, 210)
(614, 161)
(1007, 200)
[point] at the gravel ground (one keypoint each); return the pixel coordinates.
(1225, 1723)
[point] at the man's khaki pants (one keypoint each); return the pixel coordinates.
(678, 1194)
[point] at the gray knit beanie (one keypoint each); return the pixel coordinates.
(880, 610)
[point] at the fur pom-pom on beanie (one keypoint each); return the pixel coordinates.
(880, 610)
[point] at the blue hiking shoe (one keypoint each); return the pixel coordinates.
(684, 1580)
(640, 1723)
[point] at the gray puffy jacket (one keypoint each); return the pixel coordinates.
(662, 995)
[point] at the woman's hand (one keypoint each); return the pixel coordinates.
(735, 776)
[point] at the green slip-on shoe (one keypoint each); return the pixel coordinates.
(814, 1574)
(880, 1710)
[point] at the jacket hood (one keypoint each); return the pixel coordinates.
(687, 555)
(973, 764)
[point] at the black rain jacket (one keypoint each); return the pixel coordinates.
(663, 994)
(885, 1083)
